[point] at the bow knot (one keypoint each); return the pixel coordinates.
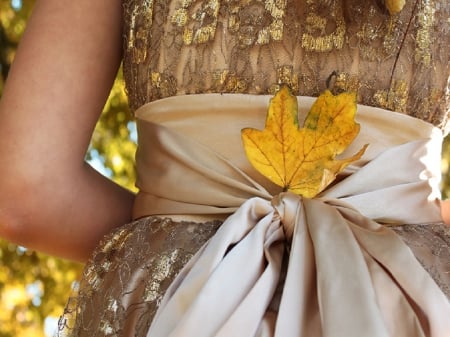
(287, 207)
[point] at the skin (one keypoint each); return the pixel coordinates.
(445, 211)
(50, 199)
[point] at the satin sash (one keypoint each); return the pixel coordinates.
(345, 275)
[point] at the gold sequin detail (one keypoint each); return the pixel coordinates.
(380, 37)
(340, 82)
(424, 36)
(317, 38)
(200, 25)
(143, 258)
(137, 37)
(164, 85)
(224, 81)
(395, 98)
(286, 75)
(398, 62)
(162, 270)
(257, 22)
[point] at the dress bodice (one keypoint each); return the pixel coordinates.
(398, 62)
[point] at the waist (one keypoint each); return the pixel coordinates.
(191, 162)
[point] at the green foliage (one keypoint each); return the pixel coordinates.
(111, 141)
(33, 286)
(12, 26)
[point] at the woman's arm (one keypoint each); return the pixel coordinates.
(445, 211)
(50, 199)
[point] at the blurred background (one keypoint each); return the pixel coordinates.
(34, 287)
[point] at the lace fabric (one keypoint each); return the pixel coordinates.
(132, 267)
(431, 245)
(397, 62)
(123, 283)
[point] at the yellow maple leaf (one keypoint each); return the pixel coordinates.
(303, 160)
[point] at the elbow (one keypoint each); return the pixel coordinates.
(12, 225)
(16, 198)
(9, 231)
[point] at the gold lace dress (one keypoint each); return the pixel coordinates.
(224, 58)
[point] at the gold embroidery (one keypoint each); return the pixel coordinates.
(317, 37)
(200, 26)
(395, 98)
(379, 38)
(256, 21)
(340, 82)
(162, 84)
(224, 81)
(149, 254)
(428, 106)
(163, 268)
(137, 38)
(286, 75)
(424, 34)
(177, 47)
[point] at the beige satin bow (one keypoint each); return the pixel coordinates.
(342, 272)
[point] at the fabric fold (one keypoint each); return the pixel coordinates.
(339, 271)
(350, 269)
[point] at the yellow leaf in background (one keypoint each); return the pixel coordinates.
(303, 160)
